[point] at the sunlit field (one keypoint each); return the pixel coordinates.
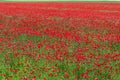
(62, 0)
(60, 41)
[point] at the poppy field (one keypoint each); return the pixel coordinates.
(59, 41)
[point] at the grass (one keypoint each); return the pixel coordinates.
(57, 0)
(24, 64)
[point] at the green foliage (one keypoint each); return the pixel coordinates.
(116, 46)
(23, 37)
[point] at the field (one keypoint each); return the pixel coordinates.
(60, 41)
(59, 0)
